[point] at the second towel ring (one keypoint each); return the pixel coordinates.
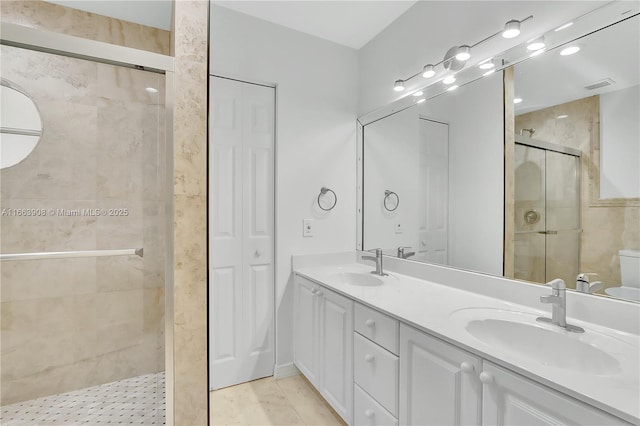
(390, 194)
(323, 191)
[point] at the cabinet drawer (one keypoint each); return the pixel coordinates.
(377, 327)
(376, 371)
(368, 412)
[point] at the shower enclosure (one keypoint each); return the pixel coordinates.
(547, 211)
(82, 244)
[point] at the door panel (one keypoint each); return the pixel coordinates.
(242, 218)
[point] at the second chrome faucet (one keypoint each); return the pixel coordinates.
(558, 301)
(378, 260)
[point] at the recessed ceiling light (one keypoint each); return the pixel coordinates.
(489, 72)
(562, 116)
(421, 100)
(562, 27)
(398, 86)
(537, 52)
(452, 88)
(449, 80)
(517, 100)
(418, 93)
(151, 90)
(570, 50)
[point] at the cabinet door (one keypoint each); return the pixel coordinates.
(306, 329)
(510, 399)
(439, 383)
(336, 351)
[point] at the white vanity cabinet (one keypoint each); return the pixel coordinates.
(323, 349)
(510, 399)
(439, 383)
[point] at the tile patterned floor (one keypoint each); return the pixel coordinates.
(139, 401)
(289, 401)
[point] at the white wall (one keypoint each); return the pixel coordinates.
(620, 143)
(316, 112)
(427, 30)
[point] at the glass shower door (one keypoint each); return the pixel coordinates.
(547, 216)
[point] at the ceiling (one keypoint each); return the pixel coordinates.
(349, 23)
(552, 79)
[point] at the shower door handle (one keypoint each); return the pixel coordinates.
(548, 232)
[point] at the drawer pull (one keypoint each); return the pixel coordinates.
(466, 367)
(369, 413)
(370, 323)
(369, 358)
(486, 378)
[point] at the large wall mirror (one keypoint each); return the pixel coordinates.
(531, 173)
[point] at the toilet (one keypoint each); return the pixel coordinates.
(630, 276)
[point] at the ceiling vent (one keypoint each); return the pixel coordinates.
(601, 83)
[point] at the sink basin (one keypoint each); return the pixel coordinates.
(546, 344)
(361, 279)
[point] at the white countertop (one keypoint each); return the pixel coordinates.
(430, 307)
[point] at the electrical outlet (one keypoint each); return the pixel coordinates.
(307, 228)
(398, 228)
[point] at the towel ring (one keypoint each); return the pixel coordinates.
(388, 194)
(323, 191)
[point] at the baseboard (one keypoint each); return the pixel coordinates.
(285, 370)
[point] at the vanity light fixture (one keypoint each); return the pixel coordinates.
(452, 88)
(449, 80)
(537, 52)
(455, 59)
(487, 64)
(428, 71)
(536, 44)
(464, 53)
(570, 50)
(517, 100)
(418, 93)
(562, 27)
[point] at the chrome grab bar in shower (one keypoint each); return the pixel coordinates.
(71, 254)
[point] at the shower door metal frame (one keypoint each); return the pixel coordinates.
(548, 146)
(96, 51)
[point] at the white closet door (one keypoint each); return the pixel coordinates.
(241, 279)
(434, 208)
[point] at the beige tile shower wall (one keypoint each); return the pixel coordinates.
(605, 229)
(189, 48)
(52, 17)
(73, 323)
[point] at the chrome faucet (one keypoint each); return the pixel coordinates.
(403, 255)
(378, 260)
(558, 301)
(583, 285)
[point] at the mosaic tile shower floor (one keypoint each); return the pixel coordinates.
(135, 401)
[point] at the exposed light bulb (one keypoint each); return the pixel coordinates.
(449, 80)
(517, 100)
(489, 72)
(398, 86)
(562, 27)
(418, 93)
(463, 53)
(421, 100)
(570, 50)
(428, 71)
(511, 29)
(452, 88)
